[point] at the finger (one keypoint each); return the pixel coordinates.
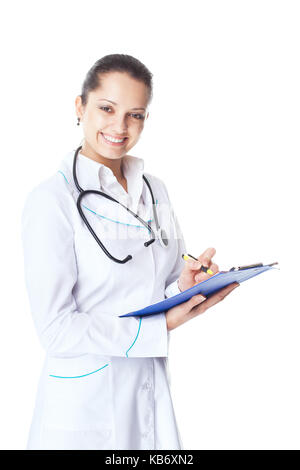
(220, 295)
(214, 268)
(192, 302)
(202, 275)
(204, 261)
(206, 257)
(192, 265)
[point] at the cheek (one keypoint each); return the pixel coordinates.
(137, 129)
(135, 134)
(96, 120)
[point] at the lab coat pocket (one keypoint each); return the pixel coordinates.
(78, 393)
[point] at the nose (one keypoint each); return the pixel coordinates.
(119, 125)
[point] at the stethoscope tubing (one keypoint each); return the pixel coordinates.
(107, 196)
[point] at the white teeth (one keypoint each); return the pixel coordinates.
(112, 139)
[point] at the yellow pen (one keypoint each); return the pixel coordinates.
(186, 256)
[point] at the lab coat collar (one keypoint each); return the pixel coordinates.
(94, 175)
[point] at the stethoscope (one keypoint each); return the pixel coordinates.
(161, 234)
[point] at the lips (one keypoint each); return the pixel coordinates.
(114, 136)
(114, 144)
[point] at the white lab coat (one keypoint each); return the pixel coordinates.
(105, 383)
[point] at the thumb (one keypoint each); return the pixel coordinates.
(192, 265)
(193, 301)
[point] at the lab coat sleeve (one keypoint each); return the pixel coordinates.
(50, 275)
(171, 286)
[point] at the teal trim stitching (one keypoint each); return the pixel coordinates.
(77, 376)
(63, 176)
(136, 336)
(139, 226)
(107, 218)
(116, 221)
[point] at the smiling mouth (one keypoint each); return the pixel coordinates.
(113, 140)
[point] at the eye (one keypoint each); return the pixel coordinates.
(104, 107)
(138, 116)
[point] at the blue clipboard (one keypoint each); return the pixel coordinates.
(207, 288)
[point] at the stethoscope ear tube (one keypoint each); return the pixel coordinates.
(161, 234)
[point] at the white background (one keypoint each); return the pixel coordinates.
(223, 134)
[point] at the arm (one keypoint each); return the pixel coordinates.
(50, 275)
(172, 287)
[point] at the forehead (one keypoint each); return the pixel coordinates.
(121, 88)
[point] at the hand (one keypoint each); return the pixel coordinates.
(197, 304)
(191, 273)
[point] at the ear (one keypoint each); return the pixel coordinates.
(78, 106)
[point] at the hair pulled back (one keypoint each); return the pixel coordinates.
(116, 63)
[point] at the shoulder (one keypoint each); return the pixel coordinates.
(55, 187)
(157, 185)
(50, 195)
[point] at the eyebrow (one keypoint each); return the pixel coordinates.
(104, 99)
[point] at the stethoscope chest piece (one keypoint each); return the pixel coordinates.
(163, 238)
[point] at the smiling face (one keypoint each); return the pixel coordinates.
(117, 111)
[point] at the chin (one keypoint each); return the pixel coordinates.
(111, 154)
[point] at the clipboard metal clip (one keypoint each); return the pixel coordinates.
(258, 265)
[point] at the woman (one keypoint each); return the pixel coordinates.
(104, 383)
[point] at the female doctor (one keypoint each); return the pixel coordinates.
(92, 256)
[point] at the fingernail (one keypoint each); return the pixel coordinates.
(199, 297)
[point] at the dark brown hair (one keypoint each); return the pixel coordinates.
(116, 63)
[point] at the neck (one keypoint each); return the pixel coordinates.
(114, 164)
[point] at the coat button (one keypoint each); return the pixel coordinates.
(147, 386)
(106, 433)
(147, 433)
